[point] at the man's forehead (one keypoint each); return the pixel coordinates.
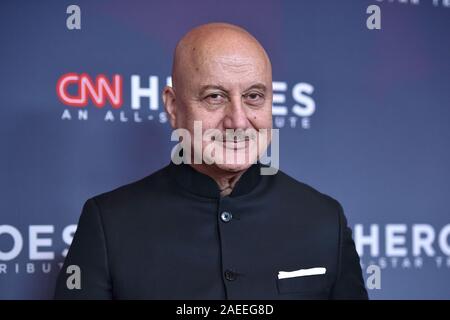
(233, 61)
(230, 77)
(220, 65)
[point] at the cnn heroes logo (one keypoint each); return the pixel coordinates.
(38, 243)
(403, 246)
(293, 104)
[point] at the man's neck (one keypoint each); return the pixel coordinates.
(226, 180)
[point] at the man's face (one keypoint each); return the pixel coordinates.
(227, 91)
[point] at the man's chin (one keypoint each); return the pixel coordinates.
(233, 167)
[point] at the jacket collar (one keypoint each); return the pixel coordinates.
(202, 185)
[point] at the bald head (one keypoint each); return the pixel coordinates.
(216, 45)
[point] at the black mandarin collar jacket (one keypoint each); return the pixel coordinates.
(171, 236)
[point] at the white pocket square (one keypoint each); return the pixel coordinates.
(301, 273)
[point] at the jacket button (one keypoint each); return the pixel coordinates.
(226, 216)
(230, 275)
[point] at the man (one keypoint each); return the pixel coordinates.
(215, 229)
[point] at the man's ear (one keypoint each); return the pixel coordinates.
(170, 104)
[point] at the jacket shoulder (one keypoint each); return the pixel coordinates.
(135, 192)
(306, 196)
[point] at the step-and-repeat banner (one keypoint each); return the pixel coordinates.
(361, 98)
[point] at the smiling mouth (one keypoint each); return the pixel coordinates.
(237, 144)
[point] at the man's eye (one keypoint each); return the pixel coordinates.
(254, 98)
(215, 98)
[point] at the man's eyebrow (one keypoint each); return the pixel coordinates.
(211, 87)
(259, 86)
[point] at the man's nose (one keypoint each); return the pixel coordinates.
(236, 115)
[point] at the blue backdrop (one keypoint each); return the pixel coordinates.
(363, 116)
